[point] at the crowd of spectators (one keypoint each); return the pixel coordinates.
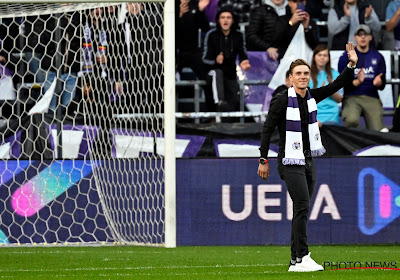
(269, 26)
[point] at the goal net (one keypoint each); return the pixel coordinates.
(83, 147)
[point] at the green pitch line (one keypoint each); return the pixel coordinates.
(233, 262)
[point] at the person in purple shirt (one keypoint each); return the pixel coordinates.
(361, 96)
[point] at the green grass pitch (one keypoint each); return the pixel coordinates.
(230, 262)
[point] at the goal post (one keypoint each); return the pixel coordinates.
(73, 172)
(170, 126)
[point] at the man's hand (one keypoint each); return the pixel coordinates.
(297, 16)
(378, 80)
(337, 97)
(3, 59)
(101, 58)
(360, 78)
(87, 91)
(245, 65)
(119, 89)
(273, 53)
(134, 8)
(220, 58)
(306, 20)
(183, 7)
(368, 11)
(203, 4)
(351, 53)
(361, 75)
(263, 170)
(346, 9)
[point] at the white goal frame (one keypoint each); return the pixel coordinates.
(169, 108)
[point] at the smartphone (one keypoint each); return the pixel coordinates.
(301, 6)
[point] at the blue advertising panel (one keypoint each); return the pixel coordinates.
(224, 202)
(48, 201)
(219, 202)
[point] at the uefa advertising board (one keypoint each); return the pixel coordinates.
(219, 202)
(224, 202)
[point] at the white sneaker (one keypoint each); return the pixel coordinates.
(307, 264)
(292, 268)
(291, 265)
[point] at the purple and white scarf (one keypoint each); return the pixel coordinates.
(294, 154)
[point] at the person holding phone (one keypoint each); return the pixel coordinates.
(273, 25)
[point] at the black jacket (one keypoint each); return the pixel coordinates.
(277, 112)
(267, 29)
(231, 46)
(187, 27)
(10, 40)
(68, 47)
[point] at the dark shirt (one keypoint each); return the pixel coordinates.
(277, 112)
(145, 34)
(231, 46)
(267, 29)
(68, 44)
(187, 27)
(10, 41)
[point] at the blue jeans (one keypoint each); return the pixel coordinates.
(68, 91)
(33, 62)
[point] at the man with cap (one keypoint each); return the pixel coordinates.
(361, 96)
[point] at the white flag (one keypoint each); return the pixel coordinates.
(42, 106)
(298, 48)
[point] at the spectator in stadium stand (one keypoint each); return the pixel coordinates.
(142, 27)
(190, 17)
(345, 17)
(69, 46)
(314, 9)
(97, 86)
(393, 21)
(94, 57)
(384, 39)
(221, 47)
(285, 86)
(273, 25)
(9, 39)
(300, 140)
(9, 42)
(33, 52)
(321, 75)
(361, 96)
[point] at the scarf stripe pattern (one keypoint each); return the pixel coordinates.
(294, 154)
